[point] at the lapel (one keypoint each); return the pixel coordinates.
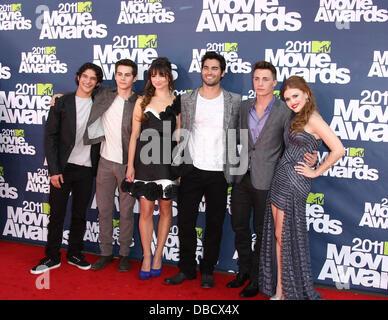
(72, 112)
(247, 108)
(191, 108)
(104, 102)
(227, 108)
(127, 112)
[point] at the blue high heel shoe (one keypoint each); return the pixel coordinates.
(145, 275)
(156, 272)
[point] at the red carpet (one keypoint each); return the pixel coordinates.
(71, 283)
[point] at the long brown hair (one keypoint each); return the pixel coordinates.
(162, 66)
(302, 117)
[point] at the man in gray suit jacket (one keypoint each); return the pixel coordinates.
(267, 119)
(110, 123)
(207, 115)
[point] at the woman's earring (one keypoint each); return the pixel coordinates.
(307, 99)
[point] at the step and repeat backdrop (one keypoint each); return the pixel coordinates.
(339, 46)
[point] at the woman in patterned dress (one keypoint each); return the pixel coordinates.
(285, 229)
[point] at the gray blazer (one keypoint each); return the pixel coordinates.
(265, 153)
(232, 103)
(94, 132)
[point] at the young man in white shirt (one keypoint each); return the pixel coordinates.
(207, 114)
(110, 123)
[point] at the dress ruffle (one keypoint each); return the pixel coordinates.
(171, 111)
(150, 190)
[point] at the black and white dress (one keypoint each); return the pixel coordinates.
(153, 176)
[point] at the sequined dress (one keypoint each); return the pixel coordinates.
(289, 191)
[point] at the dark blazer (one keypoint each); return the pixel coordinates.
(95, 130)
(60, 132)
(264, 154)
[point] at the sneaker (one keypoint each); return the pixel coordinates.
(79, 261)
(44, 265)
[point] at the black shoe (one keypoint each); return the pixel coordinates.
(239, 281)
(207, 280)
(177, 279)
(78, 261)
(124, 264)
(44, 265)
(102, 262)
(251, 290)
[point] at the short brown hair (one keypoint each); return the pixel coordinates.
(128, 63)
(266, 66)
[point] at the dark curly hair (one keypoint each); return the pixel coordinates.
(214, 55)
(94, 67)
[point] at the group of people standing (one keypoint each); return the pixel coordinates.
(158, 146)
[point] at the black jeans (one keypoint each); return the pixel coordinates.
(79, 181)
(244, 198)
(193, 187)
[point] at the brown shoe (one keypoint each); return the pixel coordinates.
(124, 264)
(101, 262)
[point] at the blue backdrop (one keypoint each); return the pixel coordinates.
(339, 46)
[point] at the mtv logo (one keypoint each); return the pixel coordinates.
(116, 223)
(46, 208)
(199, 232)
(320, 46)
(147, 41)
(44, 89)
(316, 198)
(19, 132)
(84, 6)
(356, 152)
(1, 171)
(16, 7)
(277, 93)
(51, 50)
(231, 46)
